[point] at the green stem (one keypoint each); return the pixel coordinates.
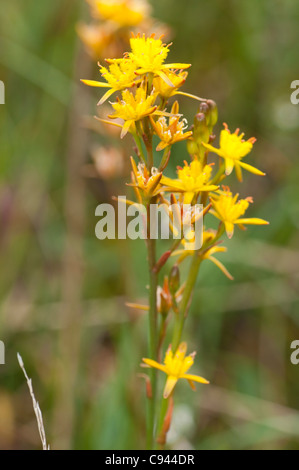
(179, 323)
(218, 175)
(185, 302)
(165, 159)
(139, 147)
(148, 141)
(163, 411)
(184, 305)
(152, 339)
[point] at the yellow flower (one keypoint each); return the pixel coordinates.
(208, 251)
(230, 211)
(175, 366)
(182, 218)
(164, 89)
(170, 132)
(120, 75)
(169, 88)
(149, 55)
(191, 180)
(133, 108)
(233, 148)
(123, 12)
(147, 183)
(95, 37)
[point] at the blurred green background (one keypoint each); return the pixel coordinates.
(63, 291)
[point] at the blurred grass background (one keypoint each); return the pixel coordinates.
(63, 291)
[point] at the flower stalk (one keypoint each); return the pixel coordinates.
(146, 83)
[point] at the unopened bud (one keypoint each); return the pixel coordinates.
(164, 304)
(192, 147)
(201, 131)
(212, 117)
(204, 107)
(174, 279)
(199, 118)
(175, 108)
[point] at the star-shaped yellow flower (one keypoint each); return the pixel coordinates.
(132, 108)
(149, 54)
(192, 179)
(163, 88)
(120, 75)
(176, 78)
(229, 210)
(172, 131)
(175, 366)
(233, 148)
(208, 251)
(147, 183)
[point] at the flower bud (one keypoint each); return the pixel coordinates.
(164, 304)
(174, 279)
(201, 131)
(192, 147)
(212, 116)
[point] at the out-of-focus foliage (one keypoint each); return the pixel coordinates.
(244, 56)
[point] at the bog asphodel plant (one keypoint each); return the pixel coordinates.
(144, 84)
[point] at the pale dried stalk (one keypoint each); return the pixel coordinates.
(37, 410)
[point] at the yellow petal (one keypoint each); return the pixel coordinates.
(213, 149)
(189, 95)
(154, 364)
(125, 128)
(188, 196)
(106, 96)
(252, 221)
(216, 249)
(172, 185)
(192, 385)
(229, 228)
(195, 378)
(94, 83)
(165, 78)
(238, 172)
(169, 386)
(161, 146)
(153, 182)
(176, 66)
(252, 169)
(229, 166)
(105, 121)
(210, 187)
(221, 267)
(137, 306)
